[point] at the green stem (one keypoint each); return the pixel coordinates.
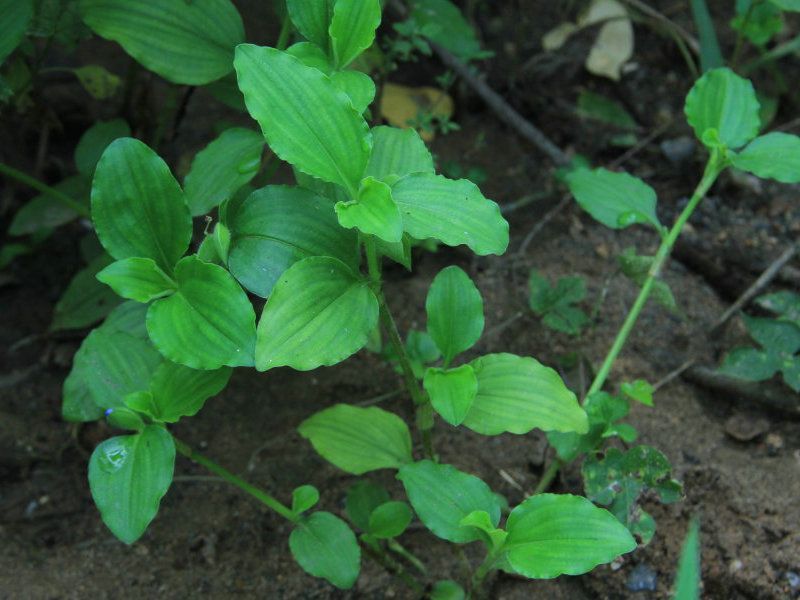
(79, 208)
(548, 476)
(257, 493)
(398, 549)
(384, 559)
(283, 36)
(480, 576)
(421, 402)
(737, 50)
(714, 167)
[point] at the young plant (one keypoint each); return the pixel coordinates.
(556, 305)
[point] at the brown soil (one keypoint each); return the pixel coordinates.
(210, 540)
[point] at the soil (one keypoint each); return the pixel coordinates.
(210, 540)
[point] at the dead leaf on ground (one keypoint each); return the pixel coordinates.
(402, 106)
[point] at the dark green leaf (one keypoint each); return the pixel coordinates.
(442, 22)
(447, 589)
(750, 364)
(326, 547)
(86, 300)
(362, 498)
(710, 53)
(95, 140)
(179, 391)
(605, 110)
(46, 212)
(773, 335)
(15, 16)
(312, 19)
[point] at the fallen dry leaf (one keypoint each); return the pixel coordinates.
(401, 106)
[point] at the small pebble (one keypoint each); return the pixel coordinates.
(736, 565)
(678, 150)
(642, 579)
(774, 444)
(793, 579)
(745, 428)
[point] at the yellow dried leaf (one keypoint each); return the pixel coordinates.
(402, 106)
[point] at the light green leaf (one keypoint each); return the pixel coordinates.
(362, 498)
(374, 213)
(138, 279)
(455, 312)
(311, 55)
(85, 301)
(352, 28)
(318, 314)
(15, 16)
(326, 547)
(442, 496)
(560, 534)
(358, 440)
(312, 19)
(639, 390)
(687, 582)
(617, 200)
(123, 417)
(304, 498)
(95, 140)
(447, 589)
(307, 121)
(277, 226)
(128, 476)
(190, 43)
(138, 208)
(722, 101)
(397, 153)
(516, 394)
(451, 211)
(759, 22)
(772, 156)
(46, 212)
(179, 391)
(452, 392)
(208, 322)
(389, 520)
(358, 86)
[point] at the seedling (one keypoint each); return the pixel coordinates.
(556, 305)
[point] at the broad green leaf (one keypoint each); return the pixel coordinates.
(95, 140)
(138, 208)
(208, 322)
(560, 534)
(326, 547)
(772, 156)
(190, 43)
(750, 364)
(277, 226)
(452, 392)
(451, 211)
(389, 520)
(307, 121)
(15, 16)
(455, 312)
(442, 496)
(304, 498)
(138, 279)
(447, 589)
(312, 19)
(311, 55)
(373, 213)
(352, 28)
(687, 581)
(222, 167)
(774, 335)
(726, 103)
(179, 391)
(397, 153)
(517, 394)
(710, 53)
(358, 440)
(128, 476)
(86, 300)
(362, 498)
(46, 212)
(319, 313)
(617, 200)
(442, 22)
(358, 86)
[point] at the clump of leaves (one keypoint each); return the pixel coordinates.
(556, 304)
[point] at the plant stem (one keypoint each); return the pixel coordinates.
(79, 208)
(714, 167)
(548, 476)
(479, 576)
(422, 404)
(398, 549)
(257, 493)
(384, 559)
(283, 36)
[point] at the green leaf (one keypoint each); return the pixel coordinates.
(129, 317)
(318, 314)
(179, 391)
(517, 394)
(138, 208)
(307, 121)
(95, 140)
(277, 226)
(637, 269)
(442, 22)
(352, 28)
(397, 153)
(86, 300)
(208, 322)
(312, 19)
(451, 211)
(554, 303)
(750, 364)
(98, 81)
(604, 109)
(455, 312)
(15, 16)
(617, 200)
(603, 410)
(311, 55)
(447, 589)
(726, 103)
(772, 156)
(138, 279)
(128, 476)
(324, 546)
(759, 22)
(785, 303)
(442, 496)
(358, 440)
(124, 418)
(189, 43)
(222, 167)
(790, 5)
(560, 534)
(710, 53)
(638, 390)
(790, 369)
(452, 392)
(304, 498)
(373, 213)
(46, 212)
(363, 498)
(358, 86)
(389, 520)
(774, 335)
(687, 582)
